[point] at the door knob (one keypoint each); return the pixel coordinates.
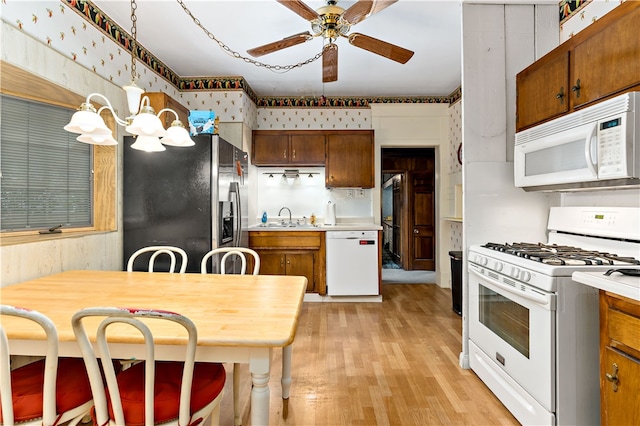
(613, 378)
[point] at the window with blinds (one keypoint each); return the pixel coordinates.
(46, 176)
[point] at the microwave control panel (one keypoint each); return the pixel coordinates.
(612, 147)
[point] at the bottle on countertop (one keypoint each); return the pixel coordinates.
(264, 218)
(313, 219)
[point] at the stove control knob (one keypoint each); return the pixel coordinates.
(515, 272)
(525, 276)
(498, 266)
(484, 261)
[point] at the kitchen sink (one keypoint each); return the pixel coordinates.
(288, 225)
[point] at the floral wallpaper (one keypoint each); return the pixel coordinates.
(313, 118)
(455, 137)
(579, 14)
(455, 172)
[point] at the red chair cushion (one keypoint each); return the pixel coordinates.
(208, 382)
(72, 388)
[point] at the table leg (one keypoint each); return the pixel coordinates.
(260, 394)
(237, 419)
(286, 379)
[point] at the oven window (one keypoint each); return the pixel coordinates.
(507, 319)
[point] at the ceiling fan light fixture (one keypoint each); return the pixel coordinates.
(332, 22)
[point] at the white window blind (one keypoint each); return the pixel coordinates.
(46, 177)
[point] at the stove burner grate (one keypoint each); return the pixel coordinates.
(558, 255)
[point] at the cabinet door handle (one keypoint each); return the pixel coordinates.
(613, 378)
(294, 155)
(288, 262)
(576, 89)
(415, 231)
(560, 95)
(284, 154)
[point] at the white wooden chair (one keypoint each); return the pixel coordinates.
(46, 392)
(157, 251)
(150, 392)
(227, 254)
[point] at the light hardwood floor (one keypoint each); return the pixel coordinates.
(389, 363)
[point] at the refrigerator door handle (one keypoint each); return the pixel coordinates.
(234, 188)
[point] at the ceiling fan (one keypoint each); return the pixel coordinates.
(331, 22)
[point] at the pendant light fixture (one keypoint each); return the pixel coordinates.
(143, 122)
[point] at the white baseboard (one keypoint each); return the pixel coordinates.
(315, 297)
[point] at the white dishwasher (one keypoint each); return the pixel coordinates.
(352, 263)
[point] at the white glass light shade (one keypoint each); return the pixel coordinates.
(177, 135)
(133, 97)
(97, 139)
(148, 144)
(87, 122)
(146, 124)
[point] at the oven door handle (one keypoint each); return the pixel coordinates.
(539, 299)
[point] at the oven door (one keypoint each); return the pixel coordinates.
(514, 325)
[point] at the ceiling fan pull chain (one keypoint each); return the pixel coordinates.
(223, 46)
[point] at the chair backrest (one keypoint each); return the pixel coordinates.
(132, 317)
(226, 253)
(157, 251)
(49, 413)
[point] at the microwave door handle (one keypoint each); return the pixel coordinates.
(588, 149)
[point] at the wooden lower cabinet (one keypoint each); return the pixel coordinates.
(299, 253)
(619, 360)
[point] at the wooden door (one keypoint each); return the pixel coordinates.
(609, 61)
(270, 149)
(272, 262)
(622, 405)
(301, 264)
(543, 90)
(398, 220)
(422, 222)
(307, 150)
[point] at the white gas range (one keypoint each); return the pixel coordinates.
(533, 331)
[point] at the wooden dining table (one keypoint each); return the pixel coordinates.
(239, 318)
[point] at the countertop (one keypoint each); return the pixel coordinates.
(321, 227)
(617, 283)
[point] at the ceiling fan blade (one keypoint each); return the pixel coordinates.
(300, 8)
(382, 48)
(280, 44)
(365, 8)
(330, 63)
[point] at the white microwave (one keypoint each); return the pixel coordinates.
(595, 147)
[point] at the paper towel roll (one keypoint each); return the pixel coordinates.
(330, 216)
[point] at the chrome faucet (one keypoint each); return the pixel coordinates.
(289, 210)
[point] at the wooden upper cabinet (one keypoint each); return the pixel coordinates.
(601, 61)
(542, 90)
(350, 157)
(307, 149)
(160, 100)
(285, 148)
(609, 61)
(270, 148)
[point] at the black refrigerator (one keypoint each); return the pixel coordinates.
(193, 197)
